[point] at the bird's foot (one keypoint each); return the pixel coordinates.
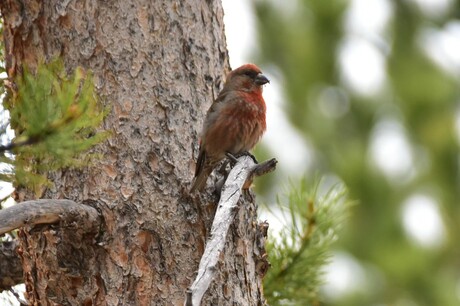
(247, 153)
(234, 158)
(251, 156)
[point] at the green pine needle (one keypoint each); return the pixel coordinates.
(302, 249)
(55, 117)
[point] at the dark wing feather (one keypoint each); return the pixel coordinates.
(200, 162)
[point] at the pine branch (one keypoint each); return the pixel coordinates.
(26, 142)
(305, 242)
(302, 249)
(55, 117)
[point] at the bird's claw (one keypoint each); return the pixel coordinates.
(234, 158)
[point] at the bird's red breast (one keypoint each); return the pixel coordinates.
(235, 122)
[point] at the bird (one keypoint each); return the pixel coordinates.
(234, 123)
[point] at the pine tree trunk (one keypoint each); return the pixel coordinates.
(157, 66)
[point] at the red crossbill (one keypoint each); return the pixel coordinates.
(234, 123)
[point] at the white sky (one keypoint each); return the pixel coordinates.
(391, 152)
(422, 221)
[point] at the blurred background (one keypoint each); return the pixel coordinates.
(366, 92)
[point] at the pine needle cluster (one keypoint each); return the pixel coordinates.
(54, 116)
(300, 251)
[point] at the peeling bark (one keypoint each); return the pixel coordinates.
(157, 65)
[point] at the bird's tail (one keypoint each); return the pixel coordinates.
(201, 178)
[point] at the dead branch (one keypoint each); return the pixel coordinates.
(31, 213)
(240, 177)
(46, 211)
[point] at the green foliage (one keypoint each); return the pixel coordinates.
(420, 96)
(301, 250)
(55, 118)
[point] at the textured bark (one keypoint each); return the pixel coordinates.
(157, 65)
(10, 265)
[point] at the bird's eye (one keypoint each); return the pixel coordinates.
(251, 74)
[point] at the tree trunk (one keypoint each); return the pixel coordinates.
(157, 66)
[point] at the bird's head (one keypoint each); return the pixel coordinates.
(247, 77)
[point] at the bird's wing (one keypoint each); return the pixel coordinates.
(200, 162)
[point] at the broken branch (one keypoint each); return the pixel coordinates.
(240, 177)
(45, 211)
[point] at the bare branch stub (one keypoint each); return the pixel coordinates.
(47, 211)
(259, 170)
(240, 177)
